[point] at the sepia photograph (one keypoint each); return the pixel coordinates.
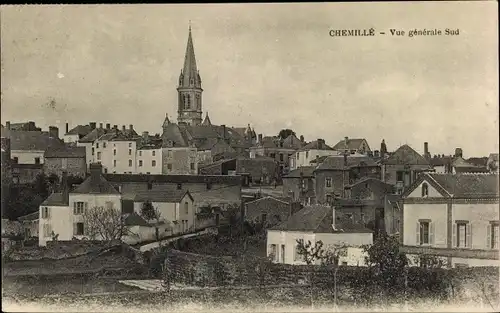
(250, 157)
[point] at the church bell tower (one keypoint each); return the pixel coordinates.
(189, 89)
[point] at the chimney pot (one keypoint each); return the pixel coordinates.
(7, 124)
(131, 127)
(92, 125)
(123, 128)
(53, 132)
(108, 125)
(100, 125)
(115, 126)
(145, 134)
(67, 128)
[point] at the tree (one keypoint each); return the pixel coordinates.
(149, 212)
(284, 133)
(105, 224)
(41, 185)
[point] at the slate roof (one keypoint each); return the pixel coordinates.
(179, 179)
(55, 199)
(103, 187)
(481, 162)
(66, 152)
(368, 180)
(269, 198)
(352, 144)
(173, 136)
(468, 185)
(165, 196)
(134, 219)
(440, 161)
(94, 134)
(307, 171)
(30, 217)
(218, 195)
(405, 155)
(313, 145)
(337, 162)
(80, 130)
(317, 219)
(31, 140)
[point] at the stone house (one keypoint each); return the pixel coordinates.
(270, 211)
(299, 185)
(69, 159)
(353, 146)
(454, 217)
(310, 152)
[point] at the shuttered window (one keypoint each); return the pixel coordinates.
(425, 232)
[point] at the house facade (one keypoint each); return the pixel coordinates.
(318, 223)
(299, 185)
(353, 146)
(281, 150)
(269, 211)
(69, 159)
(454, 217)
(310, 152)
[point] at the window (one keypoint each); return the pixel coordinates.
(461, 234)
(153, 163)
(179, 186)
(264, 218)
(105, 171)
(329, 198)
(79, 207)
(169, 153)
(130, 145)
(104, 145)
(150, 185)
(282, 253)
(186, 207)
(328, 182)
(47, 230)
(399, 175)
(273, 252)
(78, 229)
(129, 163)
(140, 162)
(15, 160)
(92, 150)
(297, 257)
(362, 217)
(307, 154)
(45, 212)
(169, 166)
(209, 186)
(272, 155)
(425, 190)
(304, 184)
(37, 160)
(129, 151)
(98, 155)
(114, 151)
(153, 152)
(114, 163)
(140, 153)
(281, 157)
(425, 232)
(492, 237)
(97, 145)
(192, 166)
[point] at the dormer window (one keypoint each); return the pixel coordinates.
(425, 190)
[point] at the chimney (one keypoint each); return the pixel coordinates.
(260, 138)
(7, 125)
(376, 153)
(115, 126)
(320, 144)
(458, 152)
(92, 125)
(346, 140)
(145, 135)
(426, 150)
(333, 217)
(123, 128)
(345, 159)
(67, 128)
(53, 132)
(131, 127)
(100, 125)
(95, 174)
(302, 138)
(108, 125)
(65, 186)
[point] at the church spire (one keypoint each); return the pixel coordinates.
(189, 75)
(166, 122)
(206, 121)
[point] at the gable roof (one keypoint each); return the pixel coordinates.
(317, 219)
(268, 198)
(102, 187)
(134, 219)
(32, 140)
(66, 151)
(315, 145)
(352, 144)
(166, 196)
(307, 171)
(80, 130)
(469, 186)
(338, 162)
(405, 155)
(368, 180)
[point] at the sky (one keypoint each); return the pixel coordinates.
(273, 66)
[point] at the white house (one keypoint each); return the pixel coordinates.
(175, 207)
(310, 152)
(454, 217)
(62, 213)
(318, 223)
